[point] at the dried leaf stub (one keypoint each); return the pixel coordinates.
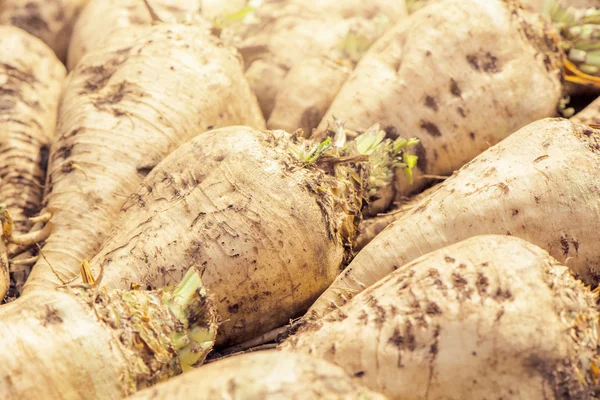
(86, 273)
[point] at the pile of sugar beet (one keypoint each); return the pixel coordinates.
(290, 199)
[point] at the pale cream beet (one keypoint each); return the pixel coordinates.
(268, 233)
(100, 17)
(267, 375)
(539, 184)
(488, 316)
(125, 107)
(80, 344)
(459, 93)
(30, 83)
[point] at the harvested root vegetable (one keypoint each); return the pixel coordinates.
(458, 93)
(30, 82)
(125, 107)
(539, 184)
(294, 36)
(50, 20)
(266, 375)
(90, 29)
(268, 221)
(491, 314)
(90, 343)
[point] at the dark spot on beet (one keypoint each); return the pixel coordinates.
(486, 62)
(218, 158)
(406, 341)
(503, 294)
(378, 312)
(363, 317)
(234, 308)
(114, 95)
(564, 243)
(482, 284)
(431, 103)
(472, 135)
(454, 89)
(421, 156)
(433, 309)
(515, 212)
(44, 156)
(431, 128)
(472, 59)
(51, 316)
(499, 314)
(458, 281)
(449, 259)
(434, 348)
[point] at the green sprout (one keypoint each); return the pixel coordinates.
(310, 153)
(385, 156)
(186, 304)
(246, 15)
(580, 33)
